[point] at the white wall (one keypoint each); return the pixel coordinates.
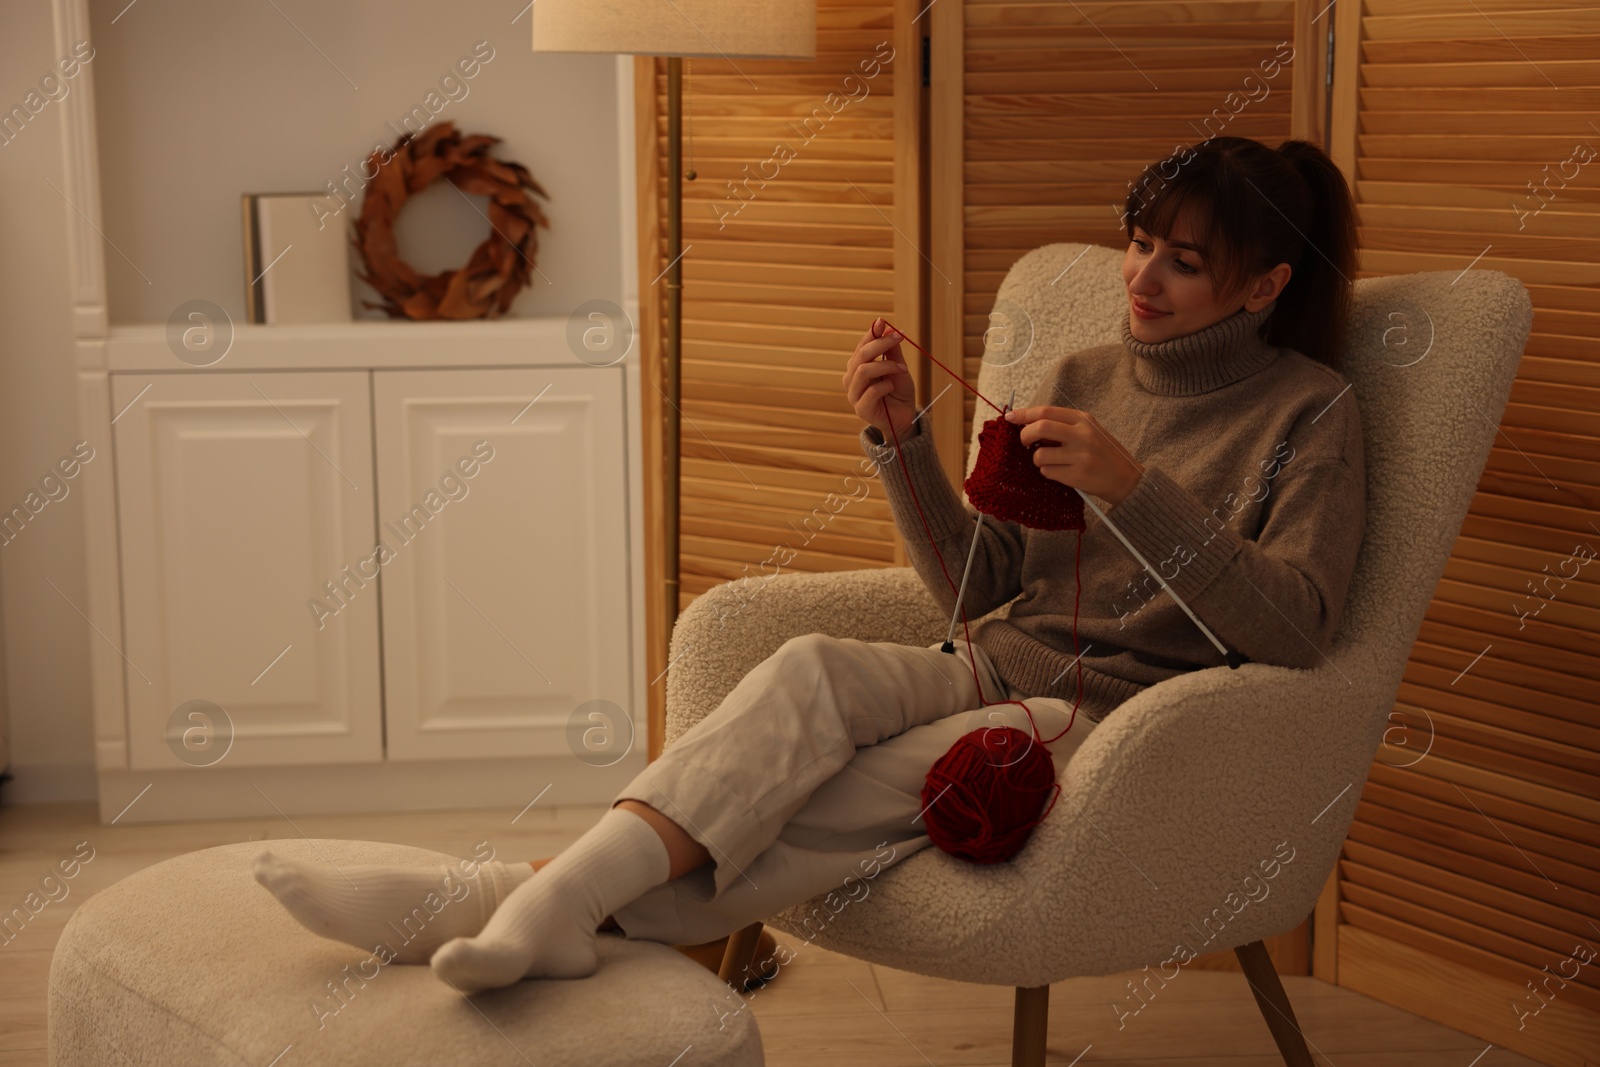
(46, 639)
(198, 103)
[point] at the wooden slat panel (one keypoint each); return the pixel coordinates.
(1487, 220)
(788, 256)
(1377, 101)
(1518, 148)
(823, 298)
(1484, 50)
(1549, 717)
(981, 16)
(1463, 815)
(1463, 845)
(1562, 833)
(720, 480)
(1552, 272)
(1505, 711)
(1557, 23)
(1463, 628)
(1499, 123)
(1027, 56)
(1122, 78)
(1387, 8)
(1424, 877)
(1512, 72)
(742, 557)
(1484, 852)
(1516, 939)
(1468, 242)
(807, 543)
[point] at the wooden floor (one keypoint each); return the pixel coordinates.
(824, 1008)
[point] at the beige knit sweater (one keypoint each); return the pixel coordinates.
(1252, 506)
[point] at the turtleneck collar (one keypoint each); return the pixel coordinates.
(1206, 359)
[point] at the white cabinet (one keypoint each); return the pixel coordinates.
(268, 519)
(238, 496)
(505, 610)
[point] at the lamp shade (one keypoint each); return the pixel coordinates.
(730, 29)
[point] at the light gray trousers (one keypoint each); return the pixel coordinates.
(810, 773)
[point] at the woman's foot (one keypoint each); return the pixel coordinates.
(546, 928)
(410, 910)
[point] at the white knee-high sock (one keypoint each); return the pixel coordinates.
(546, 927)
(412, 910)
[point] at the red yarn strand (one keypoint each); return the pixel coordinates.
(980, 796)
(947, 370)
(938, 556)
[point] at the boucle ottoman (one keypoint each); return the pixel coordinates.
(190, 961)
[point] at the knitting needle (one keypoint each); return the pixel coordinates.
(1233, 658)
(949, 640)
(972, 552)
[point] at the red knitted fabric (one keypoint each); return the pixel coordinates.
(1006, 484)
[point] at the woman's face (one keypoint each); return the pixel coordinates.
(1171, 277)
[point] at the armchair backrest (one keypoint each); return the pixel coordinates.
(1431, 358)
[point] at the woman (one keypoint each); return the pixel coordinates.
(808, 776)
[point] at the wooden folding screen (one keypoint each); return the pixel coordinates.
(1468, 891)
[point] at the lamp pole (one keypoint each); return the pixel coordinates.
(674, 340)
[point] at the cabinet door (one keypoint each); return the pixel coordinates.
(239, 496)
(502, 500)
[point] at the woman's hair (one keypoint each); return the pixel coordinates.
(1256, 207)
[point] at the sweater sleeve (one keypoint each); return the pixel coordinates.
(996, 576)
(1276, 599)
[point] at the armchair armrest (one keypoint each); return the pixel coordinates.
(734, 626)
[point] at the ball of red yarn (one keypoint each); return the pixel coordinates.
(981, 799)
(1007, 484)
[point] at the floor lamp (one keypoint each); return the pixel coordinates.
(678, 29)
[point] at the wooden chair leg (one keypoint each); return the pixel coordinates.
(1274, 1003)
(1030, 1026)
(740, 953)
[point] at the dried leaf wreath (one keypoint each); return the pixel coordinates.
(499, 267)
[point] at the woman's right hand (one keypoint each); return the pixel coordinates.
(870, 381)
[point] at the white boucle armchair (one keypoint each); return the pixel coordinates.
(1195, 782)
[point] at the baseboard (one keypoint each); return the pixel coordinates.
(340, 789)
(1559, 1032)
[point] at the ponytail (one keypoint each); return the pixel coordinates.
(1313, 311)
(1258, 207)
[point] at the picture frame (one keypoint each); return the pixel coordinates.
(297, 266)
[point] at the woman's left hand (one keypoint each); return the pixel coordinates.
(1078, 451)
